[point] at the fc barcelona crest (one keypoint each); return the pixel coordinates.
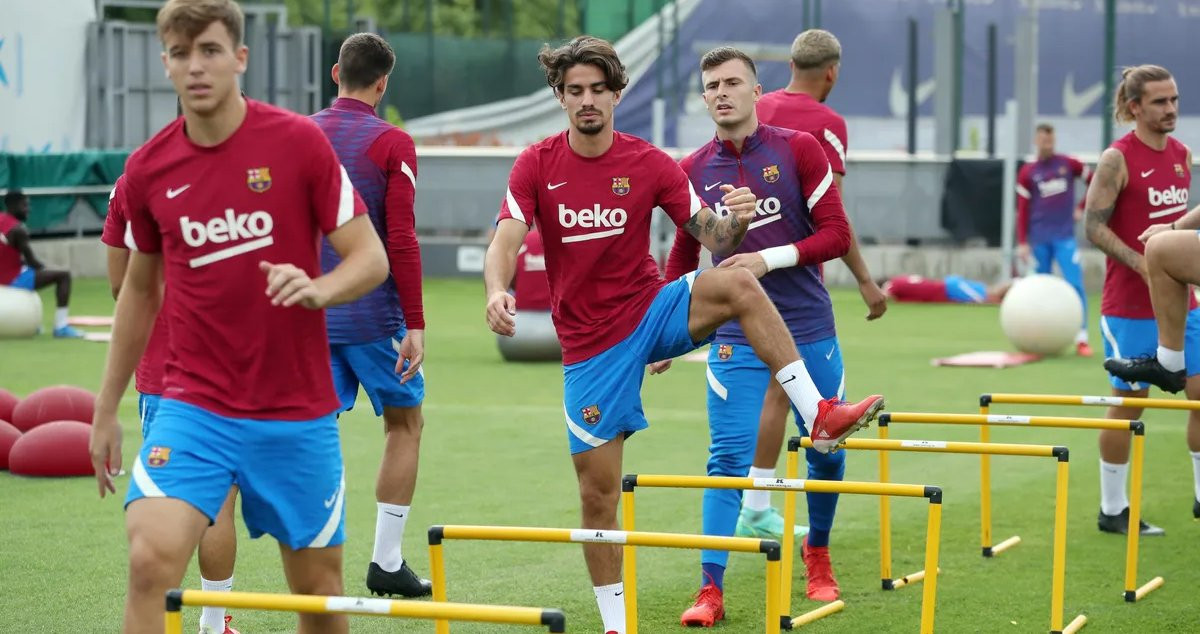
(771, 173)
(724, 351)
(1179, 171)
(620, 185)
(591, 414)
(159, 456)
(258, 179)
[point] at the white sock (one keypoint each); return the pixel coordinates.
(1170, 359)
(1081, 337)
(611, 600)
(389, 533)
(212, 620)
(1112, 487)
(800, 389)
(60, 318)
(758, 500)
(1196, 472)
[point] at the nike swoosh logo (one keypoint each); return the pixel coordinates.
(829, 355)
(708, 187)
(793, 378)
(1076, 103)
(400, 515)
(617, 594)
(171, 193)
(555, 186)
(329, 502)
(898, 94)
(1147, 173)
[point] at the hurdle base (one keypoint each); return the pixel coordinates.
(789, 622)
(1074, 626)
(1133, 596)
(992, 551)
(900, 582)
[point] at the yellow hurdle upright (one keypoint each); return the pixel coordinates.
(790, 485)
(768, 547)
(1133, 592)
(176, 599)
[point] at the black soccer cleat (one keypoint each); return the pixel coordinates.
(403, 582)
(1119, 524)
(1146, 370)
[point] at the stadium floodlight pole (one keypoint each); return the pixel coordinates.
(1008, 192)
(176, 599)
(885, 445)
(790, 486)
(627, 538)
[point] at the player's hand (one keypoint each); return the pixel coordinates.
(1152, 230)
(874, 298)
(741, 203)
(753, 262)
(288, 285)
(104, 445)
(412, 350)
(1024, 252)
(501, 313)
(1079, 210)
(658, 367)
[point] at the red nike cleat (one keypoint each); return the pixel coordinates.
(821, 584)
(707, 610)
(837, 419)
(228, 629)
(1083, 349)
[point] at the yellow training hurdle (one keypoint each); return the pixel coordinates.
(176, 599)
(770, 548)
(791, 485)
(883, 446)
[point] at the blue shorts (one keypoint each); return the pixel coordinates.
(289, 472)
(963, 290)
(602, 396)
(738, 380)
(1129, 338)
(373, 365)
(147, 408)
(24, 279)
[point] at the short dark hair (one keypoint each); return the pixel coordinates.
(364, 59)
(12, 197)
(583, 49)
(190, 17)
(722, 54)
(1045, 127)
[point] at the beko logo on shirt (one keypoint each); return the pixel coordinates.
(1171, 196)
(612, 221)
(766, 209)
(249, 232)
(1052, 187)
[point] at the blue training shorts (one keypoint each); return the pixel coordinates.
(373, 365)
(147, 408)
(1128, 338)
(602, 395)
(24, 279)
(289, 472)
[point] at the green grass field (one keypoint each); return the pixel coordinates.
(494, 452)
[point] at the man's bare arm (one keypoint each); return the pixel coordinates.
(19, 239)
(1111, 176)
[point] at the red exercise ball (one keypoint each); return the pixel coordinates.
(58, 448)
(8, 436)
(58, 402)
(8, 401)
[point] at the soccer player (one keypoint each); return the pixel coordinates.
(378, 340)
(227, 203)
(1141, 178)
(218, 546)
(591, 190)
(799, 211)
(952, 289)
(19, 267)
(1046, 216)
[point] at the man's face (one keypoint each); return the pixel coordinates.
(730, 91)
(1044, 141)
(586, 98)
(1158, 109)
(19, 209)
(204, 70)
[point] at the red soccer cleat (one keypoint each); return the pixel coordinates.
(837, 419)
(1083, 349)
(229, 630)
(821, 584)
(707, 610)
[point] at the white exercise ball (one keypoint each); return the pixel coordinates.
(1041, 314)
(20, 312)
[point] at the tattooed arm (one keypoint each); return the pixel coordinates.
(723, 235)
(1110, 178)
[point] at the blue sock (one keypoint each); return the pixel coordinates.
(712, 573)
(818, 538)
